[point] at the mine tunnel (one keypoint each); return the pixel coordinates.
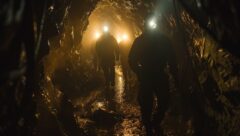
(119, 68)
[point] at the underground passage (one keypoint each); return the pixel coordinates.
(119, 68)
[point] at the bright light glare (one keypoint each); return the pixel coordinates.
(121, 38)
(105, 29)
(152, 24)
(125, 37)
(97, 35)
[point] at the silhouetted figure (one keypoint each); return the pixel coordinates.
(148, 58)
(124, 49)
(107, 51)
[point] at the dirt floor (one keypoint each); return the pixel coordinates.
(105, 111)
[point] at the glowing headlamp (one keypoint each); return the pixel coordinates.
(105, 29)
(152, 24)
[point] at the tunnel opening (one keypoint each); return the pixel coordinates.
(70, 72)
(69, 90)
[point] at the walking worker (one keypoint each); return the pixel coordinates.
(151, 52)
(107, 52)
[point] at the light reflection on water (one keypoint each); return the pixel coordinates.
(128, 126)
(119, 86)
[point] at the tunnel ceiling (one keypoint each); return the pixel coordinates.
(121, 16)
(79, 10)
(139, 8)
(128, 15)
